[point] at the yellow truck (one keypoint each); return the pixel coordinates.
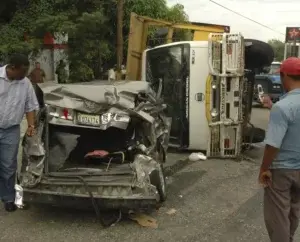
(138, 36)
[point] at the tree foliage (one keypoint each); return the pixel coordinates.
(278, 47)
(90, 24)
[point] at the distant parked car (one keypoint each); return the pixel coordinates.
(268, 84)
(274, 68)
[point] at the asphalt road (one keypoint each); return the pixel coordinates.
(215, 200)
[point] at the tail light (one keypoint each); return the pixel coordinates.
(62, 113)
(66, 113)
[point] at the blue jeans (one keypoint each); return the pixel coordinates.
(9, 145)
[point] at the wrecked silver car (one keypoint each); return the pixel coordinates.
(97, 144)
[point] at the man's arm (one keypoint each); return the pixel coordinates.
(277, 128)
(267, 102)
(31, 105)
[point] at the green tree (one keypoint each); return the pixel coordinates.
(177, 14)
(7, 10)
(278, 47)
(156, 9)
(21, 19)
(90, 25)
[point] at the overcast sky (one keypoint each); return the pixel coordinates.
(276, 14)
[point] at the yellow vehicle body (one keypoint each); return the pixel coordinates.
(138, 36)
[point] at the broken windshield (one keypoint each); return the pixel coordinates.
(164, 63)
(170, 64)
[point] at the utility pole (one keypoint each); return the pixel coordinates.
(120, 15)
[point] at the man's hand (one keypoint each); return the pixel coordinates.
(30, 131)
(265, 178)
(267, 102)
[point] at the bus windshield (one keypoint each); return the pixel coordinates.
(170, 64)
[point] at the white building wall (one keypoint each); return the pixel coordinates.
(46, 59)
(49, 58)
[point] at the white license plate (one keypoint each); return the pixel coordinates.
(88, 119)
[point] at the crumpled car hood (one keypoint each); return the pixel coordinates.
(94, 96)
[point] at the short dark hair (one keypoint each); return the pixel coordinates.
(18, 60)
(295, 78)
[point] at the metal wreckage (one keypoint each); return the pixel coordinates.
(97, 144)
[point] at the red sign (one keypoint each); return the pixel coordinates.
(292, 34)
(49, 42)
(48, 38)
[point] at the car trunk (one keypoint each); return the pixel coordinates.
(73, 147)
(90, 164)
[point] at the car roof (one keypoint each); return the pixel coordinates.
(273, 78)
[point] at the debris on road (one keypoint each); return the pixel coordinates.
(172, 211)
(197, 156)
(144, 220)
(19, 196)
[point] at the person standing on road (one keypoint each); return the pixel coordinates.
(37, 75)
(280, 169)
(61, 72)
(17, 97)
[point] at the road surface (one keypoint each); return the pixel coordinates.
(215, 200)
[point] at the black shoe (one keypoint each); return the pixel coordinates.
(10, 206)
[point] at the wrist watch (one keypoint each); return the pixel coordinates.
(31, 126)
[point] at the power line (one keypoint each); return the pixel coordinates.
(243, 16)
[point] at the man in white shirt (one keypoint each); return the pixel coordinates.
(17, 97)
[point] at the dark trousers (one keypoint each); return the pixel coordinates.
(9, 145)
(282, 205)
